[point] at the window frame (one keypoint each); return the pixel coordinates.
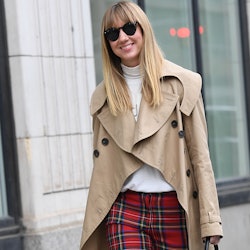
(10, 225)
(235, 191)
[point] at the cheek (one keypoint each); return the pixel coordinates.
(139, 33)
(113, 46)
(140, 43)
(140, 39)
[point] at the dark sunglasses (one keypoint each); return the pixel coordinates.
(112, 34)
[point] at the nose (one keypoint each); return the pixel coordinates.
(122, 35)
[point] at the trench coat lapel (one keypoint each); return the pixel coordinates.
(121, 128)
(150, 119)
(126, 132)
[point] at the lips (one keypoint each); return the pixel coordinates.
(126, 47)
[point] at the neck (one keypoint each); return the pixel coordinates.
(131, 72)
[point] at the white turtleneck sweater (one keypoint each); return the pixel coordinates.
(146, 179)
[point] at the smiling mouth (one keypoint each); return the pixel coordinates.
(128, 46)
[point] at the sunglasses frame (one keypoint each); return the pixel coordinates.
(112, 34)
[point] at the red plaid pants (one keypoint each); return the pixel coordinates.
(149, 221)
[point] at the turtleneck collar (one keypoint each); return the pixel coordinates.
(131, 72)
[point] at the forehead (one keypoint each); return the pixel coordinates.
(119, 23)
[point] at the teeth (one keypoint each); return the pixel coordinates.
(124, 47)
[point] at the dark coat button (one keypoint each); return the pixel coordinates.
(96, 153)
(181, 134)
(188, 172)
(174, 124)
(195, 194)
(105, 141)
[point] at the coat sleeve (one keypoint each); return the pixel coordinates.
(196, 137)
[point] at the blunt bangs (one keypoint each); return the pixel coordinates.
(121, 12)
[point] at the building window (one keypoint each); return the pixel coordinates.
(224, 87)
(222, 64)
(174, 35)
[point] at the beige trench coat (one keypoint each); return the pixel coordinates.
(171, 138)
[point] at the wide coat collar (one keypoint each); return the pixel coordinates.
(125, 130)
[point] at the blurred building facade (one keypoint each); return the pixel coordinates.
(50, 64)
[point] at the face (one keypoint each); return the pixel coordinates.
(126, 47)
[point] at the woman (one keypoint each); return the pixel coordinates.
(152, 185)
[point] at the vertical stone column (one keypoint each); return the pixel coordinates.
(52, 77)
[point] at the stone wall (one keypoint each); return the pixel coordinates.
(52, 78)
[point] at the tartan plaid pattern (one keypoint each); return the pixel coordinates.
(149, 221)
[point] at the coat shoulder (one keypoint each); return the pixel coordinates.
(98, 98)
(190, 81)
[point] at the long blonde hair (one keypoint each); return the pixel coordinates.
(151, 59)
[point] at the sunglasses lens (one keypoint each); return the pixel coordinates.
(112, 34)
(129, 28)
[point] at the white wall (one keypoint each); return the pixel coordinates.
(52, 77)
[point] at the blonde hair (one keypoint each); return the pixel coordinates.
(151, 59)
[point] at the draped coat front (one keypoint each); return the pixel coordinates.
(171, 138)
